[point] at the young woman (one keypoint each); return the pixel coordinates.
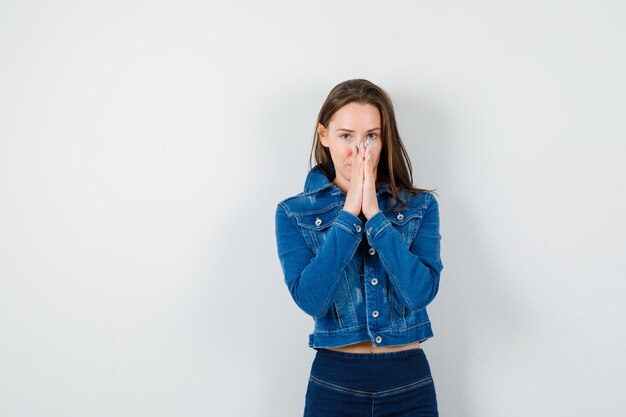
(359, 249)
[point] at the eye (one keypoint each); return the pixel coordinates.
(372, 136)
(345, 136)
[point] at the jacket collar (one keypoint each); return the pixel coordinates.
(317, 181)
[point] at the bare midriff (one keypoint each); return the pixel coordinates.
(366, 347)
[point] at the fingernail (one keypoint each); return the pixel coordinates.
(353, 148)
(361, 146)
(369, 156)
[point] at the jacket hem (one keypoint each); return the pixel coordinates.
(390, 337)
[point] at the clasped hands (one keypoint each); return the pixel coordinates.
(361, 196)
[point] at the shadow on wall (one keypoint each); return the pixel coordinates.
(472, 299)
(468, 291)
(422, 125)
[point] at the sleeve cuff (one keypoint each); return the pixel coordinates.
(349, 222)
(375, 225)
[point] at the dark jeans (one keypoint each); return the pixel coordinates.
(370, 385)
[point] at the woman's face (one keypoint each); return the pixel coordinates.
(350, 125)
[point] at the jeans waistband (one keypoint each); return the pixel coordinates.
(370, 356)
(371, 371)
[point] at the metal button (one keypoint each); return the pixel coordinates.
(374, 281)
(400, 216)
(375, 313)
(318, 221)
(369, 231)
(358, 228)
(372, 251)
(378, 339)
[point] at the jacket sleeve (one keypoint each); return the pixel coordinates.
(413, 270)
(312, 279)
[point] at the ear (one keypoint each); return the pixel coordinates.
(322, 132)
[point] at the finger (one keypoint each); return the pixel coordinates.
(368, 176)
(366, 152)
(354, 158)
(357, 178)
(367, 168)
(362, 176)
(369, 203)
(360, 149)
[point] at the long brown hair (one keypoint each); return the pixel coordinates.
(394, 166)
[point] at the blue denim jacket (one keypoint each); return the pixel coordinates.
(360, 281)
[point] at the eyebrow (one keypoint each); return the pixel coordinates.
(352, 131)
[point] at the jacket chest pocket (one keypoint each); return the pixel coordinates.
(407, 222)
(315, 226)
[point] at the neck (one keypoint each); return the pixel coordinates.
(342, 187)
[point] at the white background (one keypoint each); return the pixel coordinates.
(144, 146)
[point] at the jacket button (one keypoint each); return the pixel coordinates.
(372, 251)
(318, 221)
(374, 281)
(375, 313)
(369, 231)
(358, 228)
(378, 339)
(400, 216)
